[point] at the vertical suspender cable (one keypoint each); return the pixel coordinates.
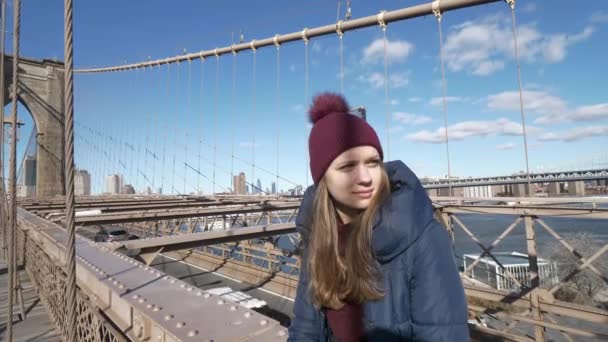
(3, 209)
(305, 38)
(276, 43)
(186, 121)
(521, 96)
(232, 121)
(215, 114)
(386, 101)
(173, 189)
(253, 117)
(200, 139)
(13, 171)
(70, 304)
(438, 15)
(340, 36)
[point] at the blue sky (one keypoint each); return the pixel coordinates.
(561, 43)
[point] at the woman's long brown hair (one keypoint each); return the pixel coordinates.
(353, 277)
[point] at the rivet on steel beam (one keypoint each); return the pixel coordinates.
(281, 333)
(172, 281)
(166, 277)
(206, 295)
(135, 296)
(192, 333)
(220, 302)
(169, 317)
(263, 322)
(190, 289)
(232, 307)
(115, 282)
(180, 324)
(182, 285)
(157, 308)
(247, 314)
(199, 293)
(149, 306)
(121, 286)
(141, 300)
(158, 274)
(110, 279)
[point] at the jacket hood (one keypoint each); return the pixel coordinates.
(400, 220)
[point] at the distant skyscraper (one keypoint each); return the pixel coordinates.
(29, 170)
(113, 184)
(240, 184)
(82, 183)
(259, 187)
(274, 187)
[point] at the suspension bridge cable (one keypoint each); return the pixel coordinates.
(215, 114)
(438, 15)
(306, 100)
(232, 121)
(387, 114)
(175, 130)
(187, 113)
(68, 94)
(341, 36)
(521, 96)
(12, 170)
(278, 104)
(253, 116)
(3, 205)
(202, 129)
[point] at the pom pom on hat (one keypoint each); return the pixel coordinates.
(325, 104)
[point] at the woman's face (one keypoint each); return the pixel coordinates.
(353, 178)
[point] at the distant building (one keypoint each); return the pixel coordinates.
(273, 188)
(29, 171)
(240, 184)
(259, 187)
(127, 189)
(113, 184)
(82, 183)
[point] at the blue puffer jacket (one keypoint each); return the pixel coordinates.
(423, 295)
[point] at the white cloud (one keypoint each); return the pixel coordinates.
(481, 47)
(396, 80)
(394, 102)
(591, 112)
(599, 17)
(396, 51)
(438, 101)
(550, 108)
(411, 119)
(505, 146)
(466, 129)
(292, 67)
(316, 46)
(576, 134)
(415, 99)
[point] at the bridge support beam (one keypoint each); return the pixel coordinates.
(576, 188)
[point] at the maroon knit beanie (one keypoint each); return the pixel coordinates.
(334, 131)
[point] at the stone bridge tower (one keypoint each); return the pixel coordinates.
(41, 92)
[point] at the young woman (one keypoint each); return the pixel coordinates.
(376, 265)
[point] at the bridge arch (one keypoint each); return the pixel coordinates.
(40, 91)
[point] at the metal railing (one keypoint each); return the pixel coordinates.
(49, 279)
